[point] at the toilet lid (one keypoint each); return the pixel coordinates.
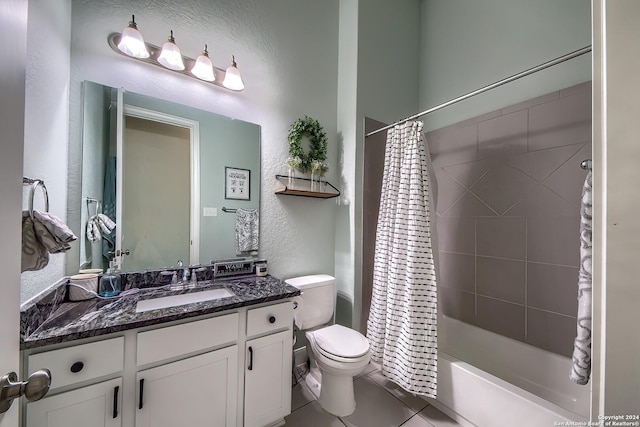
(341, 341)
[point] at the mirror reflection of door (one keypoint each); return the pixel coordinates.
(156, 181)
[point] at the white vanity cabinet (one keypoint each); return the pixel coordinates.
(96, 405)
(86, 405)
(229, 370)
(198, 391)
(267, 385)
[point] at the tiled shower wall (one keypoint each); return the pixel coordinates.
(509, 189)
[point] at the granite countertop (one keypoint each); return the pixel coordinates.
(57, 322)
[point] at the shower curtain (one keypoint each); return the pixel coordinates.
(402, 322)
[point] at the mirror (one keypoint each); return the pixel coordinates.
(163, 173)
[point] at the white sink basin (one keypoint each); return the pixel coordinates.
(182, 299)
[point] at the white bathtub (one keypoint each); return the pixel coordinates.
(485, 379)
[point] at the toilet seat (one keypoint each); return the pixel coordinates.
(341, 344)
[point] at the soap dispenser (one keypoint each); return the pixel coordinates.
(110, 284)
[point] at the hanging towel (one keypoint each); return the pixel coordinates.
(403, 317)
(99, 225)
(247, 231)
(34, 255)
(109, 208)
(581, 367)
(43, 234)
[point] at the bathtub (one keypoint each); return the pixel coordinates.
(485, 379)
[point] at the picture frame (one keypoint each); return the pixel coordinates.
(237, 183)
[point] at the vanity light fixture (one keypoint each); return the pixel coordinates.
(232, 79)
(131, 43)
(170, 56)
(204, 68)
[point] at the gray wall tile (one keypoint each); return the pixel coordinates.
(448, 191)
(501, 317)
(566, 181)
(457, 304)
(542, 163)
(551, 331)
(508, 209)
(453, 144)
(503, 237)
(503, 135)
(552, 288)
(553, 240)
(503, 187)
(564, 121)
(542, 202)
(469, 206)
(456, 234)
(457, 271)
(468, 174)
(501, 278)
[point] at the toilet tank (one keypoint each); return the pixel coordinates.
(318, 300)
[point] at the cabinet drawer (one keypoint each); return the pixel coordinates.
(269, 318)
(81, 362)
(165, 343)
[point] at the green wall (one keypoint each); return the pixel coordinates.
(468, 44)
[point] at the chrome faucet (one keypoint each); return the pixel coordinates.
(185, 271)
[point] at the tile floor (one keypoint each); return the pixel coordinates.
(379, 403)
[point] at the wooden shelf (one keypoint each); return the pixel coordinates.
(302, 187)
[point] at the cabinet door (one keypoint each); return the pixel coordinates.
(267, 387)
(196, 392)
(92, 406)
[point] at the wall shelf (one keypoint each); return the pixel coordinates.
(294, 186)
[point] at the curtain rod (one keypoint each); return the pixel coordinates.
(517, 76)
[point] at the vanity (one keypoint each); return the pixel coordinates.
(219, 362)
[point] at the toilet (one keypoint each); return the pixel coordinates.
(336, 353)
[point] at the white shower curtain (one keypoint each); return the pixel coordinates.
(403, 316)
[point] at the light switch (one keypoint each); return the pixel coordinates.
(210, 211)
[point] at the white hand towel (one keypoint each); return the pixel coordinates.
(247, 231)
(93, 230)
(106, 225)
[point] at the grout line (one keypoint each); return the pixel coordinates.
(502, 300)
(554, 265)
(457, 289)
(412, 417)
(510, 259)
(393, 395)
(484, 203)
(526, 280)
(573, 204)
(475, 272)
(553, 312)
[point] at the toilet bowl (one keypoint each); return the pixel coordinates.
(336, 354)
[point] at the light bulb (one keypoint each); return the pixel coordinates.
(203, 68)
(232, 78)
(131, 41)
(170, 57)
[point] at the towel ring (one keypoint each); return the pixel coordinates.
(32, 191)
(98, 206)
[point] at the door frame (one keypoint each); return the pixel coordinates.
(194, 138)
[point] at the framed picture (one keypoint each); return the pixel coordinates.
(237, 183)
